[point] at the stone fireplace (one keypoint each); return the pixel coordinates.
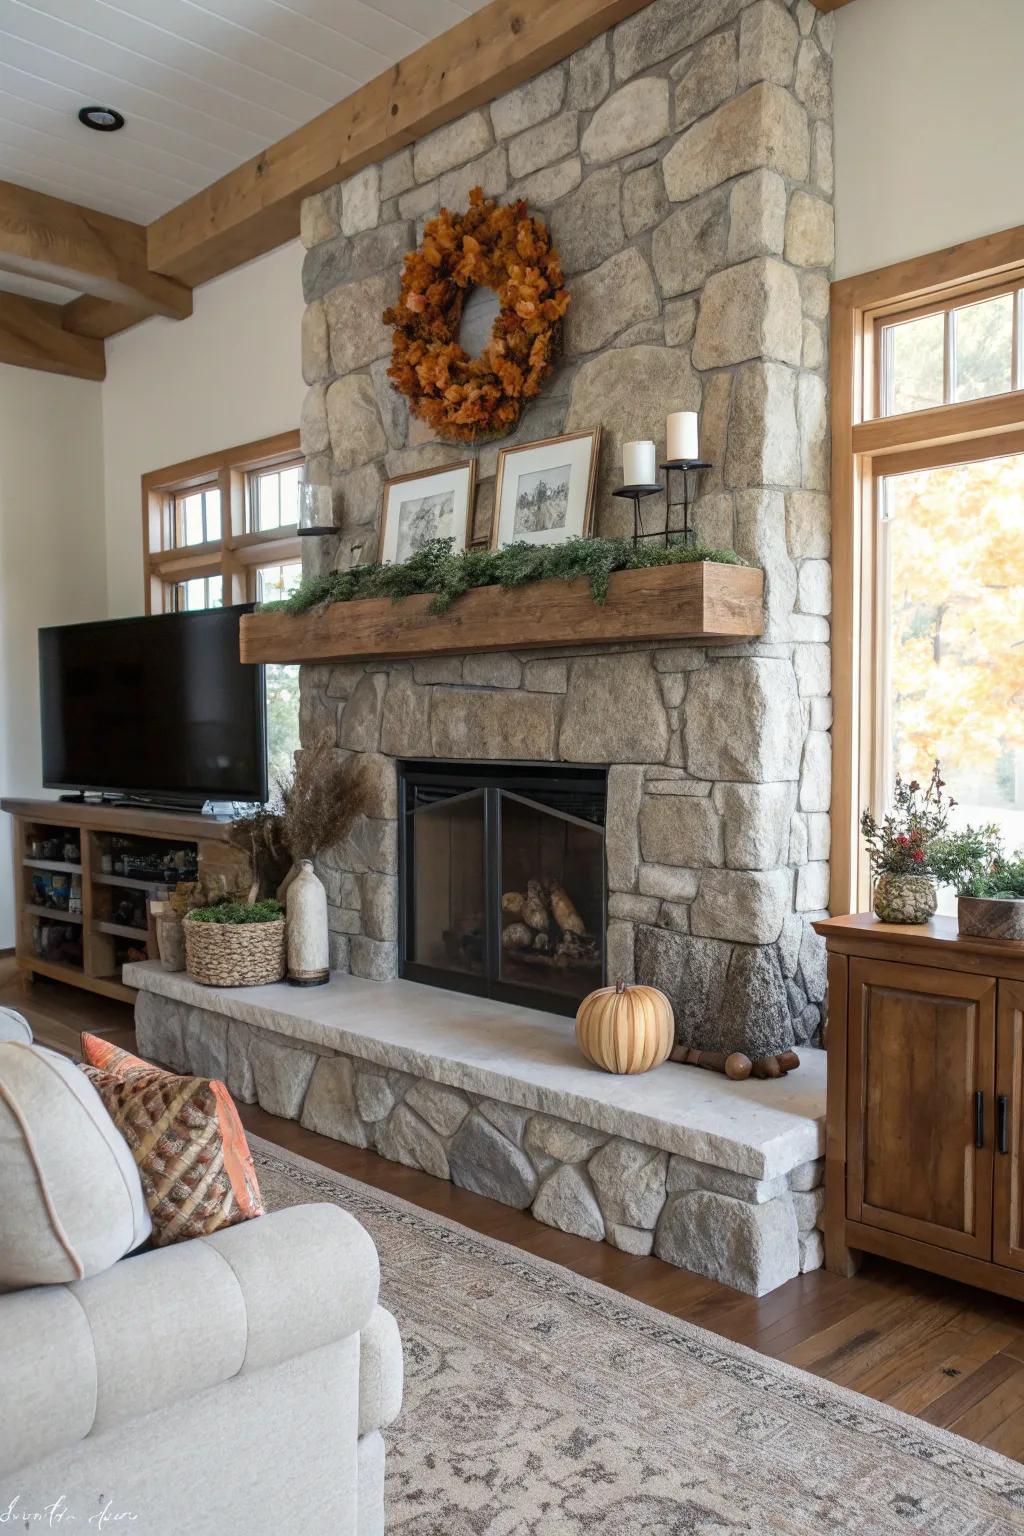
(501, 880)
(683, 162)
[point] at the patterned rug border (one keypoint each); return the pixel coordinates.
(840, 1406)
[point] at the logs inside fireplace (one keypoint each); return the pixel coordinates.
(502, 888)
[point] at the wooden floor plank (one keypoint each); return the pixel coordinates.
(949, 1354)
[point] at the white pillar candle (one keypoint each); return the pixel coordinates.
(639, 463)
(681, 431)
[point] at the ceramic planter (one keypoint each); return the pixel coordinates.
(308, 944)
(990, 917)
(904, 898)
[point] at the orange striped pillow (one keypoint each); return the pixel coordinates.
(187, 1140)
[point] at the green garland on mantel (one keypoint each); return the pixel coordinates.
(437, 569)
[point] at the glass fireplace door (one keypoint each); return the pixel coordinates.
(552, 898)
(449, 916)
(502, 880)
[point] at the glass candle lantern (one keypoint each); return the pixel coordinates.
(316, 510)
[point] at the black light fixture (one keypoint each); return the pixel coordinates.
(103, 119)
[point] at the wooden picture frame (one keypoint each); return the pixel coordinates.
(399, 539)
(573, 458)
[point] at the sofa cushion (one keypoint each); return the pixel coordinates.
(185, 1135)
(72, 1201)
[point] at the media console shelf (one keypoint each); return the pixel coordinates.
(86, 947)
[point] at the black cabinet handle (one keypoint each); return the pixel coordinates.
(1003, 1123)
(979, 1119)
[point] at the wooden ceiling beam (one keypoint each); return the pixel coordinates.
(96, 254)
(32, 335)
(100, 318)
(256, 207)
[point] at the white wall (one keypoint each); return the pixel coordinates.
(52, 559)
(175, 389)
(929, 119)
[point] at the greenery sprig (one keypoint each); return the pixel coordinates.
(438, 570)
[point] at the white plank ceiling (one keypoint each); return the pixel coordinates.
(202, 84)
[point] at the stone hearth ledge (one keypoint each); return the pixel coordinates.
(528, 1058)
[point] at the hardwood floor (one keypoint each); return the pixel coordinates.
(949, 1354)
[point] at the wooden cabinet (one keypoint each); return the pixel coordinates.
(1008, 1225)
(925, 1126)
(108, 912)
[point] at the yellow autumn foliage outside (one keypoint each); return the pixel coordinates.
(957, 624)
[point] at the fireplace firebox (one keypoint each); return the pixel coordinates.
(502, 880)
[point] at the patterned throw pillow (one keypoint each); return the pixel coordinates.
(185, 1135)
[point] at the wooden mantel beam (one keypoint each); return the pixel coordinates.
(32, 335)
(256, 207)
(94, 253)
(829, 5)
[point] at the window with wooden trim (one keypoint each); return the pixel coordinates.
(928, 540)
(212, 525)
(223, 529)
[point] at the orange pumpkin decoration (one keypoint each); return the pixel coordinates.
(625, 1029)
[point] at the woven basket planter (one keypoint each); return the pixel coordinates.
(235, 954)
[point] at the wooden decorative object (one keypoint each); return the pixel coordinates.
(924, 1153)
(493, 246)
(991, 917)
(735, 1065)
(625, 1029)
(664, 602)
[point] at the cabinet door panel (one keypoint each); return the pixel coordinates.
(1008, 1231)
(921, 1047)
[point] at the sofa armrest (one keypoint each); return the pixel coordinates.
(381, 1372)
(162, 1326)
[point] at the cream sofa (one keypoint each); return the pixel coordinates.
(235, 1383)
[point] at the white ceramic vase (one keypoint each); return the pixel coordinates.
(308, 954)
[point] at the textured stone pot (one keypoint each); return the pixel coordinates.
(904, 898)
(990, 917)
(308, 942)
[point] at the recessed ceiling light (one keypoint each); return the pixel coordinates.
(103, 119)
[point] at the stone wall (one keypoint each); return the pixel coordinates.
(754, 1234)
(684, 164)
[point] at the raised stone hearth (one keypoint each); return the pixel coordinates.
(721, 1178)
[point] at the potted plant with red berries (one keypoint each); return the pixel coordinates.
(898, 847)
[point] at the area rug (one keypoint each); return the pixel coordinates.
(538, 1403)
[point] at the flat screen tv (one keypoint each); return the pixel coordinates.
(158, 708)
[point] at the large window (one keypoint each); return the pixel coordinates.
(223, 529)
(928, 528)
(212, 524)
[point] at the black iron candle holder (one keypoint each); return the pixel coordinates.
(636, 494)
(687, 467)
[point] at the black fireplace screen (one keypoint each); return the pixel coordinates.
(503, 880)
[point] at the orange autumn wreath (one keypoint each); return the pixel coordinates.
(499, 247)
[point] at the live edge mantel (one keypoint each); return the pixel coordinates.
(698, 601)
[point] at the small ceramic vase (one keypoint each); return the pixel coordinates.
(904, 898)
(170, 941)
(308, 952)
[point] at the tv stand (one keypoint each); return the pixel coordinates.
(96, 827)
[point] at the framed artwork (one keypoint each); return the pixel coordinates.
(431, 504)
(545, 490)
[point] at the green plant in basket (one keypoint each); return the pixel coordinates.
(237, 912)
